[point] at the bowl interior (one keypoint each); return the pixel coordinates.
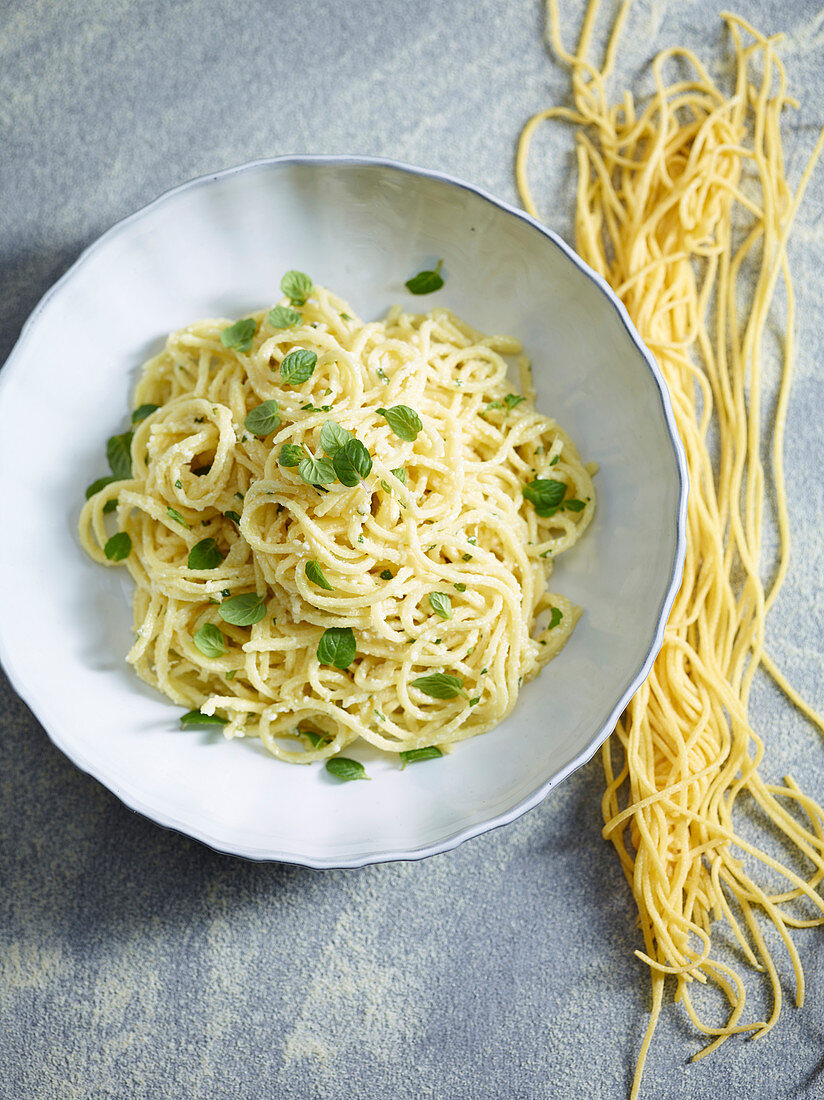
(218, 247)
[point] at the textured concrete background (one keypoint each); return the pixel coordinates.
(136, 963)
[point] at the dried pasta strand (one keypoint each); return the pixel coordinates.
(683, 205)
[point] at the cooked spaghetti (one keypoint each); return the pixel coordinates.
(684, 207)
(340, 530)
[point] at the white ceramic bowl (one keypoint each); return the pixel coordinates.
(218, 246)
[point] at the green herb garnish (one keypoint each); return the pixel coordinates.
(512, 400)
(243, 610)
(554, 460)
(545, 495)
(118, 547)
(195, 718)
(96, 486)
(403, 421)
(205, 555)
(352, 463)
(412, 756)
(344, 768)
(119, 455)
(233, 516)
(426, 281)
(238, 336)
(176, 516)
(263, 419)
(574, 505)
(461, 587)
(315, 575)
(297, 287)
(316, 471)
(333, 437)
(440, 685)
(291, 454)
(555, 617)
(142, 411)
(210, 641)
(298, 366)
(314, 739)
(337, 647)
(283, 317)
(387, 575)
(441, 604)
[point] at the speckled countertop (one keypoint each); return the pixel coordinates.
(135, 963)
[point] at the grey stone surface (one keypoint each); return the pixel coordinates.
(138, 964)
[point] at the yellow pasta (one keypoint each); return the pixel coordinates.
(683, 205)
(355, 589)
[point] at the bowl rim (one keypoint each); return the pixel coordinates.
(29, 694)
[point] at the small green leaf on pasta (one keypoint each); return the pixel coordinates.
(119, 455)
(290, 455)
(461, 587)
(118, 547)
(142, 411)
(386, 575)
(110, 505)
(555, 617)
(545, 495)
(337, 647)
(233, 516)
(283, 317)
(176, 516)
(554, 460)
(298, 366)
(344, 768)
(315, 739)
(205, 555)
(263, 419)
(441, 604)
(210, 641)
(400, 474)
(574, 505)
(426, 281)
(512, 400)
(352, 463)
(238, 337)
(297, 287)
(440, 685)
(195, 718)
(333, 437)
(96, 486)
(414, 756)
(316, 471)
(315, 575)
(243, 610)
(403, 421)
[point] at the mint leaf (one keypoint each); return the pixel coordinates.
(205, 555)
(290, 455)
(545, 495)
(298, 366)
(142, 411)
(316, 471)
(352, 463)
(440, 685)
(119, 455)
(333, 437)
(176, 516)
(283, 317)
(296, 286)
(426, 281)
(263, 419)
(574, 505)
(315, 574)
(210, 641)
(337, 647)
(555, 617)
(96, 486)
(244, 610)
(412, 756)
(118, 547)
(403, 421)
(441, 604)
(238, 336)
(344, 768)
(195, 718)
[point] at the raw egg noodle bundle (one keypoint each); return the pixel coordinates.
(432, 558)
(684, 207)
